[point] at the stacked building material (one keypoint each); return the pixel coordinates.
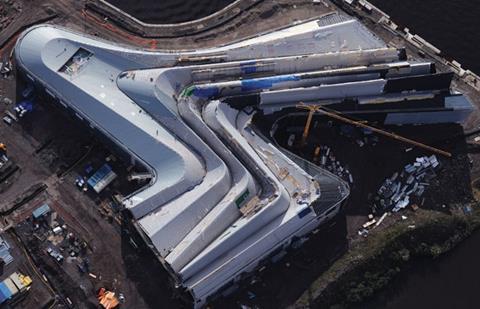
(326, 159)
(402, 188)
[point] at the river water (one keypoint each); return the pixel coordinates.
(170, 11)
(453, 26)
(452, 281)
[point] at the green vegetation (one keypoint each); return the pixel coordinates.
(371, 263)
(187, 92)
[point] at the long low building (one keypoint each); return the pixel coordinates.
(223, 198)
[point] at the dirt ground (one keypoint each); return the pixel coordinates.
(40, 294)
(371, 164)
(264, 16)
(46, 143)
(8, 11)
(53, 149)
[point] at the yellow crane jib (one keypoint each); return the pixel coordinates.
(337, 115)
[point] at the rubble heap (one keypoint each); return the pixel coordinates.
(403, 188)
(8, 12)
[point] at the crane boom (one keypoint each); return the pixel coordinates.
(336, 115)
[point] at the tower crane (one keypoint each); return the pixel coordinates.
(312, 109)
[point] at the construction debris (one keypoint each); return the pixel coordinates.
(5, 68)
(369, 223)
(55, 254)
(324, 157)
(363, 232)
(5, 255)
(381, 219)
(398, 191)
(7, 120)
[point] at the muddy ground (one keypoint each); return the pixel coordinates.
(282, 283)
(372, 163)
(53, 148)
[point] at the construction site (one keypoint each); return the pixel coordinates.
(201, 164)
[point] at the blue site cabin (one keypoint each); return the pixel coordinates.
(41, 211)
(101, 178)
(5, 292)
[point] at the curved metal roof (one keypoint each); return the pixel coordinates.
(223, 196)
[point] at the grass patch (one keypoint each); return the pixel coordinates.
(370, 264)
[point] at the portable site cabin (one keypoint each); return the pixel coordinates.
(13, 286)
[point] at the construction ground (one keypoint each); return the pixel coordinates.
(51, 151)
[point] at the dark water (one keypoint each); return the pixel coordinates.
(451, 25)
(453, 281)
(169, 11)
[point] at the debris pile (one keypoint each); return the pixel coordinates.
(324, 157)
(371, 224)
(60, 243)
(403, 188)
(8, 12)
(5, 68)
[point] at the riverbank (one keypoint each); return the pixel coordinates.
(169, 11)
(372, 263)
(450, 281)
